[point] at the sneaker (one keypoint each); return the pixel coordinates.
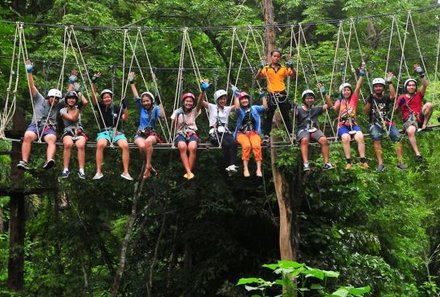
(364, 165)
(419, 158)
(98, 175)
(306, 167)
(401, 166)
(49, 164)
(266, 139)
(188, 176)
(23, 165)
(126, 176)
(349, 166)
(81, 175)
(231, 169)
(65, 174)
(327, 166)
(380, 168)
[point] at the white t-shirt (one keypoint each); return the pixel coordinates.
(185, 120)
(216, 114)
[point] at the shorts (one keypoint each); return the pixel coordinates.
(108, 135)
(43, 130)
(142, 134)
(346, 129)
(303, 133)
(74, 134)
(376, 133)
(414, 121)
(186, 138)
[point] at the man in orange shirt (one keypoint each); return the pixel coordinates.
(275, 73)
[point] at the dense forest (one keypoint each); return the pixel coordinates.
(166, 236)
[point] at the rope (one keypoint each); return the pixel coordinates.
(153, 76)
(418, 45)
(9, 111)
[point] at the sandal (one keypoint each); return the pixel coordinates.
(148, 170)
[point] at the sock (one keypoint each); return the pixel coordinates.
(363, 160)
(81, 170)
(349, 161)
(65, 170)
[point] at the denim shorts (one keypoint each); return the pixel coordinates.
(376, 133)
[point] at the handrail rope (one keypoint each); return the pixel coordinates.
(292, 34)
(8, 111)
(25, 58)
(434, 93)
(72, 33)
(230, 61)
(242, 56)
(124, 49)
(154, 78)
(402, 61)
(134, 58)
(386, 72)
(361, 53)
(86, 78)
(327, 115)
(60, 80)
(389, 46)
(195, 66)
(418, 46)
(179, 84)
(332, 76)
(298, 57)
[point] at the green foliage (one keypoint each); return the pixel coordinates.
(297, 278)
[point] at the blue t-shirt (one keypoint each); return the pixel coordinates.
(148, 118)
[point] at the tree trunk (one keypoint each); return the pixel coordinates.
(17, 218)
(16, 243)
(287, 251)
(270, 33)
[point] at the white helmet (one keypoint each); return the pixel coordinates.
(378, 80)
(149, 94)
(343, 86)
(307, 92)
(106, 91)
(54, 93)
(407, 82)
(219, 93)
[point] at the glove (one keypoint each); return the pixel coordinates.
(401, 101)
(130, 77)
(94, 78)
(323, 90)
(124, 103)
(72, 79)
(204, 85)
(289, 63)
(29, 68)
(389, 78)
(419, 71)
(235, 91)
(77, 87)
(262, 64)
(362, 72)
(261, 93)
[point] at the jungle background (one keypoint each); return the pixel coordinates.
(171, 237)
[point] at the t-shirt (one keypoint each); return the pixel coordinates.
(275, 79)
(112, 115)
(69, 124)
(347, 108)
(148, 118)
(43, 111)
(380, 109)
(308, 118)
(409, 104)
(185, 120)
(216, 114)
